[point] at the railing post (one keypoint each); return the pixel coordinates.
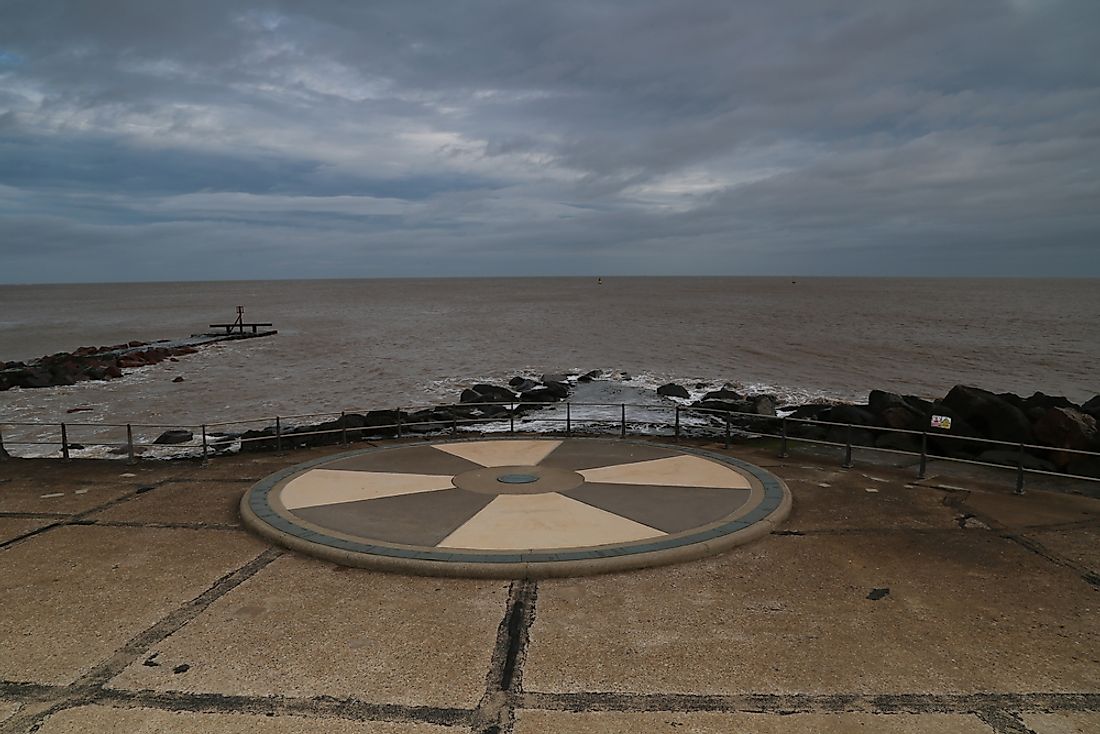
(454, 426)
(622, 428)
(568, 419)
(130, 442)
(64, 442)
(344, 427)
(847, 448)
(783, 436)
(923, 455)
(729, 437)
(3, 453)
(205, 447)
(399, 422)
(677, 422)
(512, 418)
(1020, 471)
(278, 434)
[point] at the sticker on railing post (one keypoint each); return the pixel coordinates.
(941, 421)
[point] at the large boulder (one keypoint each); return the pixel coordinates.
(763, 404)
(539, 395)
(725, 394)
(1092, 407)
(990, 415)
(487, 394)
(1066, 428)
(812, 411)
(522, 384)
(174, 436)
(589, 376)
(559, 390)
(894, 411)
(1039, 403)
(552, 377)
(672, 390)
(857, 415)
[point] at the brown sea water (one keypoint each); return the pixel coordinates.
(362, 344)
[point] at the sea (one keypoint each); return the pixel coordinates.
(358, 345)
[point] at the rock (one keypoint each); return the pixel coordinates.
(490, 394)
(724, 394)
(552, 377)
(859, 415)
(539, 395)
(470, 396)
(1092, 407)
(1009, 457)
(1066, 428)
(894, 411)
(672, 390)
(763, 405)
(589, 376)
(625, 376)
(1039, 403)
(520, 384)
(559, 390)
(991, 416)
(813, 411)
(899, 442)
(177, 379)
(81, 409)
(174, 436)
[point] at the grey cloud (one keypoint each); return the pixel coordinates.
(479, 138)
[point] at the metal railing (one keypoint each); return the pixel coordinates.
(279, 432)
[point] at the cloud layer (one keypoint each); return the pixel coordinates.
(143, 140)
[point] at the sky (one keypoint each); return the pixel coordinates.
(143, 140)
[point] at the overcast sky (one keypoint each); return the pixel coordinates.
(153, 140)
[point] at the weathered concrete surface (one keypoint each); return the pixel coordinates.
(966, 612)
(7, 710)
(559, 722)
(1081, 545)
(84, 719)
(208, 502)
(71, 596)
(781, 630)
(303, 627)
(1062, 723)
(14, 527)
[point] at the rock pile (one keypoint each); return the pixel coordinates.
(85, 363)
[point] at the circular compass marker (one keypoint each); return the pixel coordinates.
(509, 508)
(517, 478)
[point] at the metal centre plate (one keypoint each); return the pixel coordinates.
(517, 478)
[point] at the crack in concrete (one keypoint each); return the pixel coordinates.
(495, 713)
(1004, 722)
(783, 703)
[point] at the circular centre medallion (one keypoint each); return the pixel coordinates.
(517, 478)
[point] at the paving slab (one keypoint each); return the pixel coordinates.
(1032, 509)
(85, 719)
(302, 627)
(1080, 545)
(561, 722)
(861, 499)
(72, 596)
(181, 502)
(66, 497)
(1063, 723)
(965, 612)
(13, 527)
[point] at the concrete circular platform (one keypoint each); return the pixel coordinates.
(510, 508)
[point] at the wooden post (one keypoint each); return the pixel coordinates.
(64, 442)
(130, 442)
(205, 447)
